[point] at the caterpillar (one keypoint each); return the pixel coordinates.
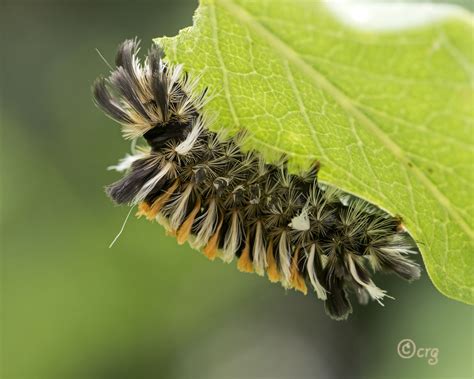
(229, 203)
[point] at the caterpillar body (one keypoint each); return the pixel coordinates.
(232, 204)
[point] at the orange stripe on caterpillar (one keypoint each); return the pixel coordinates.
(210, 250)
(297, 280)
(272, 269)
(244, 263)
(184, 230)
(161, 201)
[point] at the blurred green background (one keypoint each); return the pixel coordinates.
(71, 308)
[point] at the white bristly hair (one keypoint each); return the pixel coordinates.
(300, 222)
(188, 143)
(398, 246)
(320, 290)
(259, 251)
(180, 207)
(163, 221)
(134, 131)
(207, 225)
(375, 292)
(232, 239)
(151, 183)
(284, 255)
(173, 74)
(125, 163)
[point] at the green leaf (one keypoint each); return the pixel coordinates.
(388, 114)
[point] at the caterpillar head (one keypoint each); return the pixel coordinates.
(149, 99)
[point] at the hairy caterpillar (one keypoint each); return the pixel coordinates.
(231, 204)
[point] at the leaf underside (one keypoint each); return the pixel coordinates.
(389, 115)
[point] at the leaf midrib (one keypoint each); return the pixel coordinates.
(346, 103)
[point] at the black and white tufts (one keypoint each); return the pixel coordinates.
(231, 204)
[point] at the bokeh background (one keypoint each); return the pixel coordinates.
(71, 308)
